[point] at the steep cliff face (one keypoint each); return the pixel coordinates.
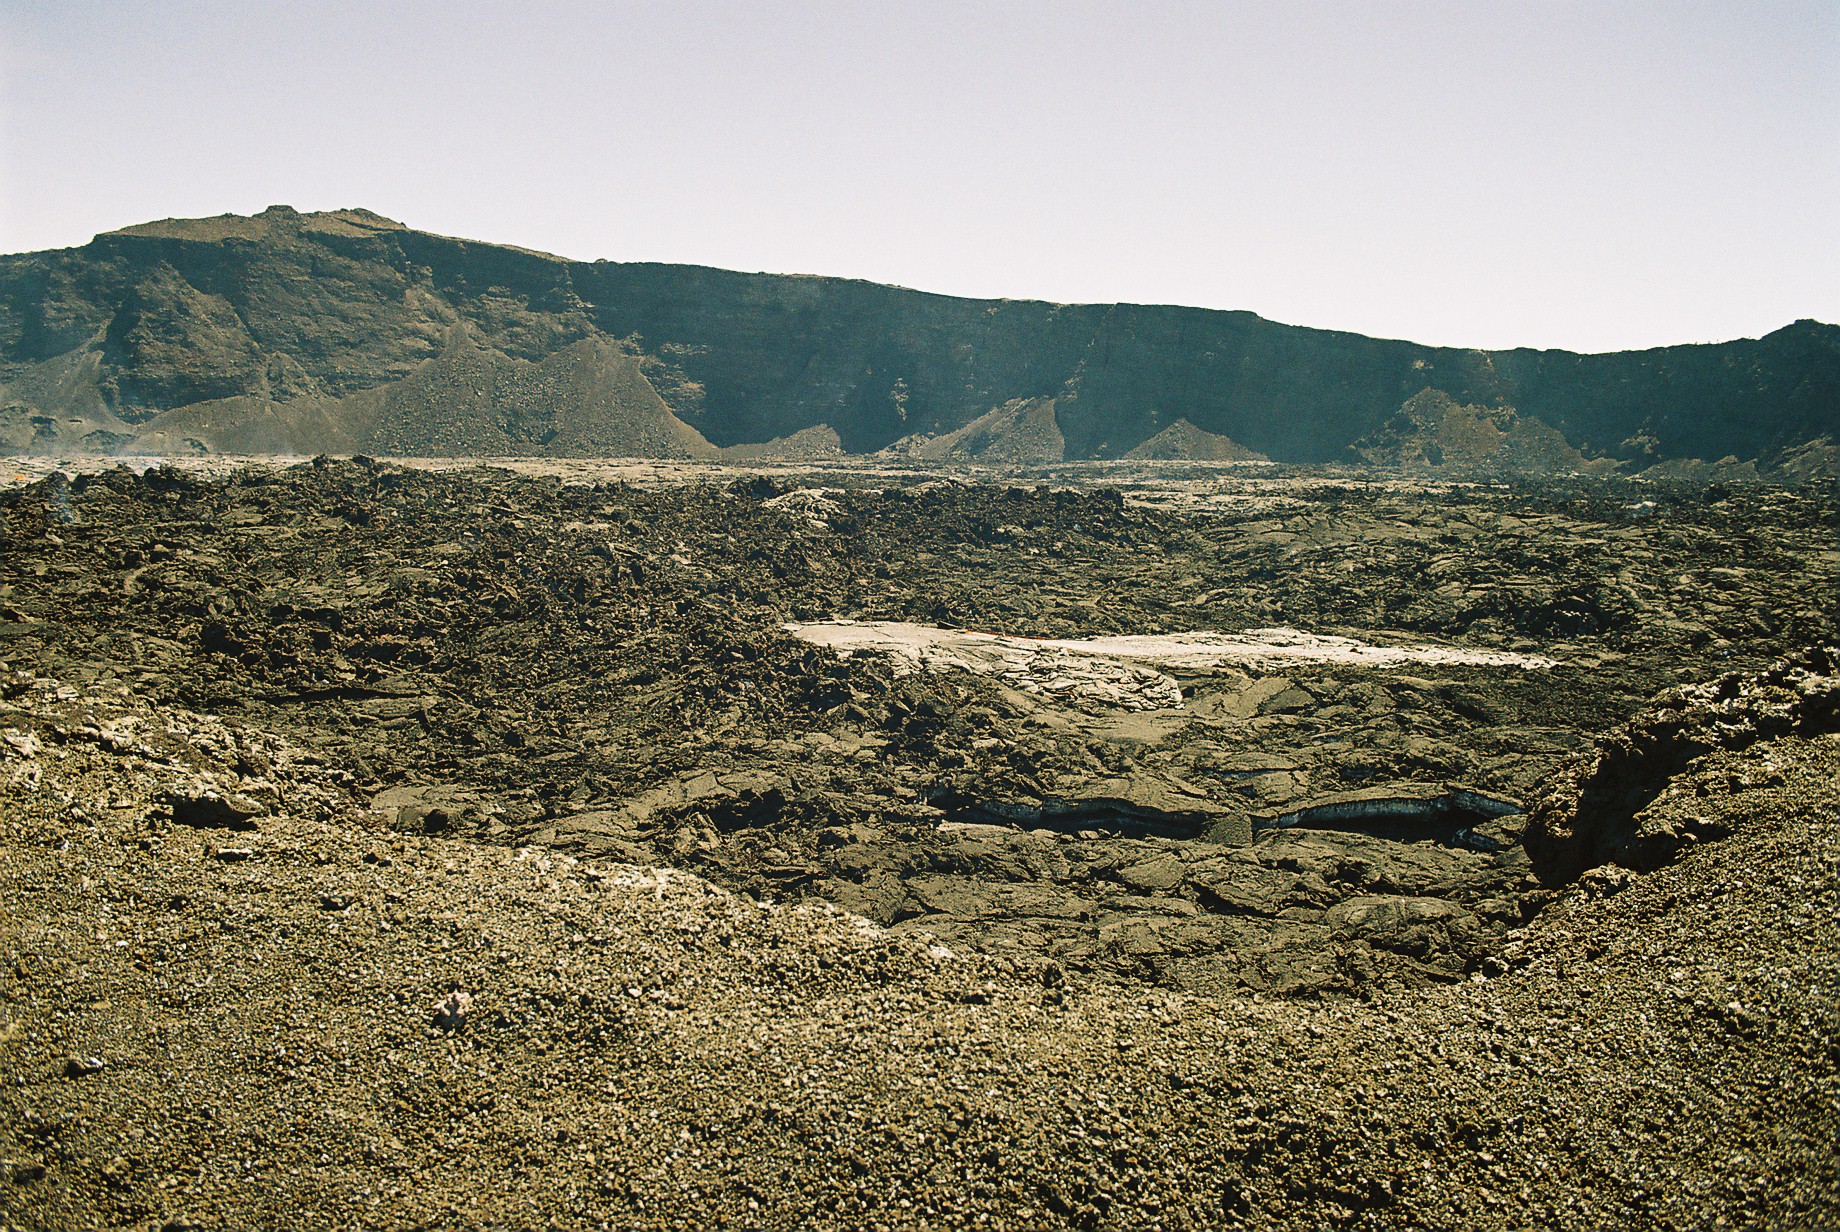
(347, 330)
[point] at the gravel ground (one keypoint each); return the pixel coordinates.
(234, 998)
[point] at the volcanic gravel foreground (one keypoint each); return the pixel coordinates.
(586, 845)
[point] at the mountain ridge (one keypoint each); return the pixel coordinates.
(297, 314)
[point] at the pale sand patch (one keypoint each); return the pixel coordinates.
(1118, 671)
(1290, 645)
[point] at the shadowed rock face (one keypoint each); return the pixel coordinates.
(298, 329)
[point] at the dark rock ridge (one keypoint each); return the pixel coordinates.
(343, 331)
(1609, 806)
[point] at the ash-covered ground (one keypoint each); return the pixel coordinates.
(1179, 818)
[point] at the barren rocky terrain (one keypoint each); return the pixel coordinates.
(1142, 844)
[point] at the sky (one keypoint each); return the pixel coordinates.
(1594, 176)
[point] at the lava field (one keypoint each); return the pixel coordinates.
(610, 668)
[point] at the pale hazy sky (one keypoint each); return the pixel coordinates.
(1488, 173)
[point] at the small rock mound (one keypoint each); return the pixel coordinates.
(1021, 432)
(1182, 441)
(1432, 430)
(815, 444)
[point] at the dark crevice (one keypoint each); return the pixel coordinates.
(1452, 818)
